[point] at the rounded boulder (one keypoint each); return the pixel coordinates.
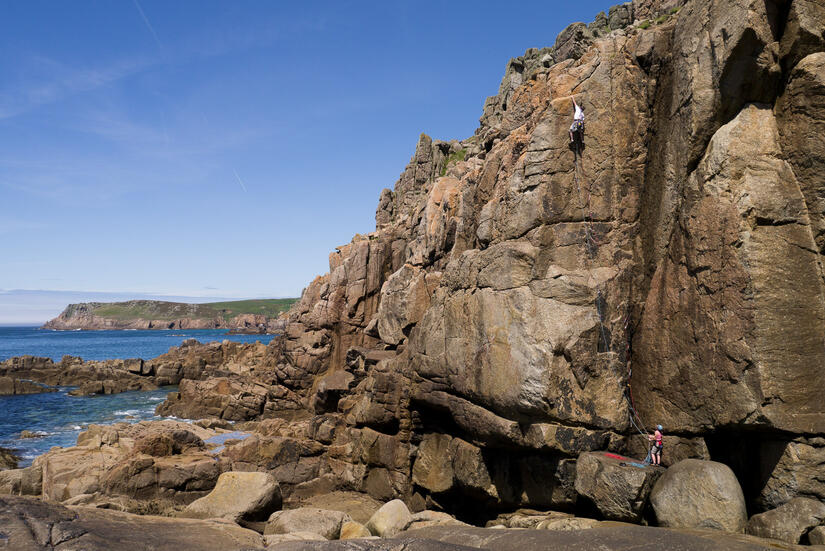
(307, 519)
(238, 496)
(699, 494)
(393, 517)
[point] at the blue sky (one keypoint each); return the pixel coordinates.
(223, 149)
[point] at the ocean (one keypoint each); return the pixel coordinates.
(105, 345)
(57, 418)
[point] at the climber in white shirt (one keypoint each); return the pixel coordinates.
(578, 121)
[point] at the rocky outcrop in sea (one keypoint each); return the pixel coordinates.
(526, 310)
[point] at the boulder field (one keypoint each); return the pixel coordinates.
(526, 309)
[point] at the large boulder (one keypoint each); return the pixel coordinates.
(326, 524)
(237, 496)
(789, 522)
(699, 494)
(433, 468)
(619, 487)
(105, 460)
(172, 442)
(390, 519)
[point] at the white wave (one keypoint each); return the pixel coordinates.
(128, 412)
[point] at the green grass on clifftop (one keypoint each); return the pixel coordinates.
(159, 310)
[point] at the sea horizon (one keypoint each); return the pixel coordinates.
(105, 344)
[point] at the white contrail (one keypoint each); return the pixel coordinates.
(239, 180)
(149, 26)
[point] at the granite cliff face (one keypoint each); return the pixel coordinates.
(519, 299)
(511, 298)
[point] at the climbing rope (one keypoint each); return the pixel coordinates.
(590, 242)
(591, 245)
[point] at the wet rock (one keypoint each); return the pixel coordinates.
(10, 386)
(238, 496)
(618, 487)
(788, 522)
(699, 494)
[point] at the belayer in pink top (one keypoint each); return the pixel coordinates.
(658, 444)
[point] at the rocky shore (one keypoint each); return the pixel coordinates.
(192, 361)
(475, 373)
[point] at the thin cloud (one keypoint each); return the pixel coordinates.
(61, 82)
(151, 29)
(239, 180)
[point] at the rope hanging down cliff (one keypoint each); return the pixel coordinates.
(591, 246)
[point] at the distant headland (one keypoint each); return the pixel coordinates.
(259, 315)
